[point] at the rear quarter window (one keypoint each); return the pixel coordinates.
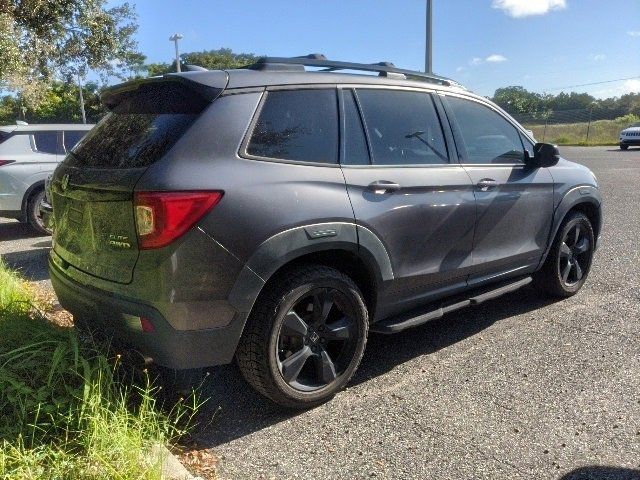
(297, 125)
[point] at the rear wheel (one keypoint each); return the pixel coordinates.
(569, 260)
(33, 213)
(305, 337)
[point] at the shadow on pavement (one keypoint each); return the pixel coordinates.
(236, 410)
(597, 472)
(16, 231)
(32, 264)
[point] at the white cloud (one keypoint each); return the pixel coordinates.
(526, 8)
(460, 69)
(495, 58)
(597, 57)
(634, 33)
(631, 86)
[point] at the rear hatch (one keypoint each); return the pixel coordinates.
(92, 190)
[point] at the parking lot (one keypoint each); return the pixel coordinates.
(520, 387)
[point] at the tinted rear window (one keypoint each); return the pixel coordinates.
(140, 129)
(299, 125)
(4, 136)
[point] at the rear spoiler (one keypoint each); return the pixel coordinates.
(208, 85)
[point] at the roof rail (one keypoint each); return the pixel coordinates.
(386, 69)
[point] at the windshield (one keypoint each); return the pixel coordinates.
(635, 125)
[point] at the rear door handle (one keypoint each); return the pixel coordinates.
(487, 184)
(381, 187)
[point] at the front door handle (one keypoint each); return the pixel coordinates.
(487, 184)
(381, 187)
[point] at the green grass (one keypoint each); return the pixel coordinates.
(601, 132)
(64, 411)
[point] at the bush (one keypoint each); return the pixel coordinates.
(64, 412)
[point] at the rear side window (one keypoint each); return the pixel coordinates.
(140, 129)
(71, 138)
(297, 125)
(488, 137)
(46, 142)
(4, 136)
(403, 127)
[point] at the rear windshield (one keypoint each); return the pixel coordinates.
(140, 129)
(4, 136)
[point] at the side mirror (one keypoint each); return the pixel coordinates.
(545, 155)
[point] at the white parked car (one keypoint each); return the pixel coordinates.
(630, 136)
(28, 155)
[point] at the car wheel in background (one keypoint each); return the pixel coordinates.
(33, 213)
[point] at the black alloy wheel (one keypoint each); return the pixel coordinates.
(317, 340)
(569, 261)
(305, 336)
(575, 255)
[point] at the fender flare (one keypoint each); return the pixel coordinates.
(578, 195)
(288, 245)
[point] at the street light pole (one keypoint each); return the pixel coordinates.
(174, 38)
(428, 51)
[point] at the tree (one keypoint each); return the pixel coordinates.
(518, 100)
(45, 40)
(223, 58)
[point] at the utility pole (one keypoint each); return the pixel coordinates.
(84, 115)
(428, 51)
(174, 38)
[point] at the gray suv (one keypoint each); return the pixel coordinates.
(276, 216)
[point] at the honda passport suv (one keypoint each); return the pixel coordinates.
(276, 216)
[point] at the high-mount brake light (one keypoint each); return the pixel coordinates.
(163, 217)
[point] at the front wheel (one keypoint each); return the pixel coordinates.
(569, 260)
(623, 146)
(305, 337)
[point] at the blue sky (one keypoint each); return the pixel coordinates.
(542, 45)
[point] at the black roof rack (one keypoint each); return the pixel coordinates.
(386, 69)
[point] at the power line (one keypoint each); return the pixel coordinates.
(593, 83)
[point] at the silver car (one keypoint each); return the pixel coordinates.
(28, 155)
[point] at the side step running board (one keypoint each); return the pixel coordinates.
(397, 324)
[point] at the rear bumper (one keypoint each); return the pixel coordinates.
(119, 317)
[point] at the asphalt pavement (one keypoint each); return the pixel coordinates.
(519, 387)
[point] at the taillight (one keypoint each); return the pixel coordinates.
(6, 162)
(163, 217)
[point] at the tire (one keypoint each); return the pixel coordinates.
(559, 276)
(305, 337)
(33, 212)
(623, 147)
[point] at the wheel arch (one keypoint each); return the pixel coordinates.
(585, 199)
(332, 244)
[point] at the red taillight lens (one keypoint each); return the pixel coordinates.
(6, 162)
(162, 217)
